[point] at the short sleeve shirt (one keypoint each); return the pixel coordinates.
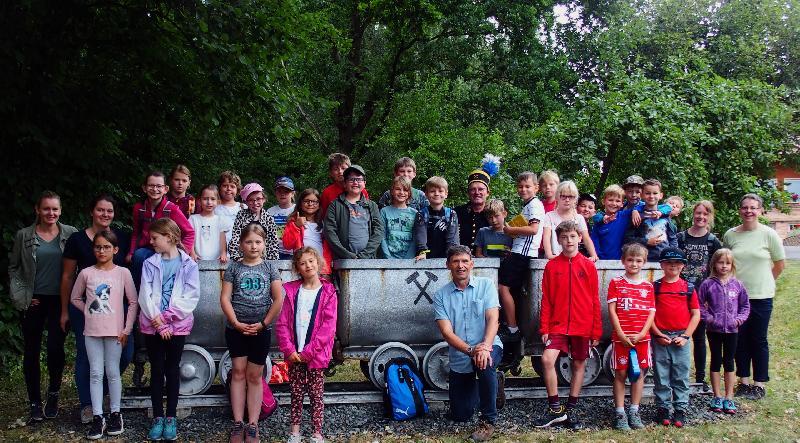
(634, 302)
(493, 243)
(528, 245)
(206, 235)
(754, 253)
(251, 297)
(673, 305)
(466, 312)
(281, 217)
(552, 219)
(698, 255)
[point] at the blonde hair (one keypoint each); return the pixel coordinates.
(436, 182)
(252, 228)
(403, 162)
(182, 169)
(652, 182)
(568, 186)
(494, 206)
(709, 207)
(299, 253)
(403, 182)
(677, 198)
(615, 190)
(634, 250)
(718, 255)
(168, 228)
(549, 175)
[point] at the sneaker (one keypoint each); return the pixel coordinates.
(86, 414)
(170, 429)
(635, 420)
(728, 406)
(251, 434)
(500, 401)
(237, 434)
(679, 419)
(622, 422)
(715, 405)
(663, 416)
(51, 406)
(484, 432)
(293, 438)
(756, 393)
(157, 430)
(319, 439)
(551, 417)
(36, 413)
(705, 389)
(743, 391)
(573, 422)
(115, 424)
(97, 428)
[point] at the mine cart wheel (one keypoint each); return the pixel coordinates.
(594, 365)
(225, 366)
(197, 370)
(436, 366)
(382, 356)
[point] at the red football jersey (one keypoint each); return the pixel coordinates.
(634, 302)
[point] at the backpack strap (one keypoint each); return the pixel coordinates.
(681, 237)
(687, 293)
(409, 378)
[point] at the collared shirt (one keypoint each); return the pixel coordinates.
(466, 311)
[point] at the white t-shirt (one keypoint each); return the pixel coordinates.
(206, 235)
(312, 237)
(305, 304)
(281, 217)
(552, 219)
(228, 213)
(528, 245)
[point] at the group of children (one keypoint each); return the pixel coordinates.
(172, 230)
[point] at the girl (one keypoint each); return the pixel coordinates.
(548, 182)
(284, 193)
(405, 231)
(305, 330)
(169, 294)
(251, 298)
(566, 195)
(724, 306)
(305, 229)
(209, 228)
(154, 207)
(229, 186)
(97, 294)
(34, 269)
(179, 181)
(253, 194)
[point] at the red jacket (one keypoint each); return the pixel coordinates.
(143, 216)
(293, 239)
(570, 298)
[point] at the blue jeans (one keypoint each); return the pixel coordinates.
(671, 373)
(753, 347)
(465, 394)
(139, 256)
(77, 324)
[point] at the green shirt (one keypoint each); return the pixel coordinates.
(754, 253)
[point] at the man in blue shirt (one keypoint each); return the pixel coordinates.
(467, 313)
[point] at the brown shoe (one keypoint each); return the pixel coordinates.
(237, 433)
(251, 434)
(484, 432)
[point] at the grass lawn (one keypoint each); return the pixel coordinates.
(773, 419)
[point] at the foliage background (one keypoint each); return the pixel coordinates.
(702, 95)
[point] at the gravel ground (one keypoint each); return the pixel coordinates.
(365, 422)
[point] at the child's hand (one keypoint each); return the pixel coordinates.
(664, 340)
(660, 238)
(223, 258)
(157, 322)
(628, 341)
(609, 218)
(655, 215)
(636, 219)
(295, 358)
(166, 334)
(594, 342)
(544, 338)
(594, 258)
(634, 338)
(680, 341)
(122, 339)
(300, 221)
(129, 258)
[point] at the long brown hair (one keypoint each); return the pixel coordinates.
(168, 228)
(317, 217)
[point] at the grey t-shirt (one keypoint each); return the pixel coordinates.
(251, 297)
(359, 227)
(48, 267)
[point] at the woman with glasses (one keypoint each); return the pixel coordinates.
(253, 195)
(305, 229)
(759, 257)
(79, 254)
(34, 270)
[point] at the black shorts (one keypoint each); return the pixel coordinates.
(254, 347)
(514, 270)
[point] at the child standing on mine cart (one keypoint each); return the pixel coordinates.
(570, 322)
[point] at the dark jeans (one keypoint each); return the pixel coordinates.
(753, 347)
(165, 358)
(466, 392)
(46, 314)
(723, 347)
(77, 323)
(699, 349)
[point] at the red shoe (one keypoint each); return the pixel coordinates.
(663, 417)
(679, 419)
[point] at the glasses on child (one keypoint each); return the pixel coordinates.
(155, 186)
(311, 202)
(356, 179)
(568, 197)
(255, 200)
(101, 248)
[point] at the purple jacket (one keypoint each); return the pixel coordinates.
(185, 296)
(723, 306)
(321, 331)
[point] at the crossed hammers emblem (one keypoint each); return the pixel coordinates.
(423, 289)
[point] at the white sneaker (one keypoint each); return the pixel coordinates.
(294, 438)
(86, 414)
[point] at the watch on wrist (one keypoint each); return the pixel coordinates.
(470, 349)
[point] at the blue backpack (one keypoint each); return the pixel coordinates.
(404, 396)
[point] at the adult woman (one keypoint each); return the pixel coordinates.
(78, 255)
(699, 244)
(34, 271)
(759, 257)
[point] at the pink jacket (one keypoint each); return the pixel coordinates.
(322, 330)
(178, 316)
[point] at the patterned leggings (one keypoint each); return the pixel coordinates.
(311, 381)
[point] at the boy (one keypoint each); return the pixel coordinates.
(586, 208)
(491, 241)
(656, 234)
(527, 239)
(353, 225)
(570, 321)
(179, 181)
(284, 192)
(337, 163)
(677, 316)
(676, 203)
(441, 221)
(405, 167)
(405, 233)
(631, 309)
(609, 229)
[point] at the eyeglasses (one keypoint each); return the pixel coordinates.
(567, 197)
(356, 180)
(749, 208)
(101, 248)
(155, 186)
(256, 200)
(311, 202)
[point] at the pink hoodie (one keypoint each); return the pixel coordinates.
(321, 331)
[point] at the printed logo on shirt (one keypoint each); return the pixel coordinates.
(102, 304)
(253, 284)
(622, 360)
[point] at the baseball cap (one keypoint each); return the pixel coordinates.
(249, 189)
(354, 168)
(672, 254)
(284, 182)
(633, 180)
(587, 196)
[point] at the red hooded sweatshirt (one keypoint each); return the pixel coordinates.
(570, 298)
